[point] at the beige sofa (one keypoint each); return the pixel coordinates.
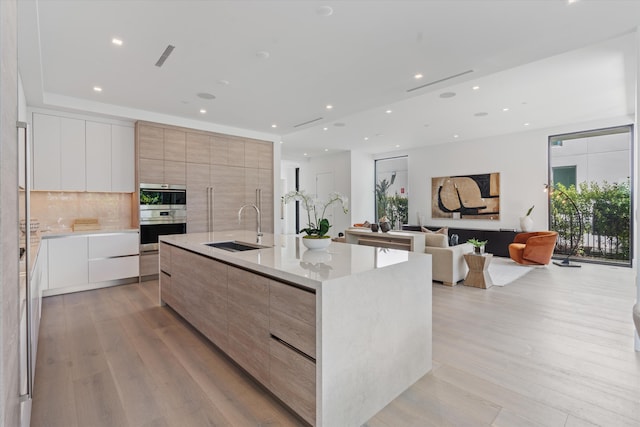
(448, 262)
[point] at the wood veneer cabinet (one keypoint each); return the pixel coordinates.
(221, 172)
(248, 309)
(198, 291)
(292, 348)
(266, 326)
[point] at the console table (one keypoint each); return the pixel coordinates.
(498, 240)
(404, 240)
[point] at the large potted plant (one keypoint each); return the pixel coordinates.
(317, 224)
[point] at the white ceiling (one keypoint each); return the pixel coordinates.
(548, 61)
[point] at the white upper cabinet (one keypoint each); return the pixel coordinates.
(76, 155)
(123, 154)
(98, 156)
(46, 152)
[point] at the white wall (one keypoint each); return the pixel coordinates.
(362, 202)
(338, 166)
(521, 160)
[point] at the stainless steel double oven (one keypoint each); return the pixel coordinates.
(163, 210)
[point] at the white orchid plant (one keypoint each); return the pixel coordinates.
(317, 225)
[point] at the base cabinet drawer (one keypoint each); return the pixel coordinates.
(292, 316)
(102, 270)
(293, 379)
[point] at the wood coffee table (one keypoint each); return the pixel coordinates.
(478, 275)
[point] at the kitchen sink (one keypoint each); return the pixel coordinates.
(235, 246)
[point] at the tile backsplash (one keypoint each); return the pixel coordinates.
(56, 211)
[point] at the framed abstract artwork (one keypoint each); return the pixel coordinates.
(466, 196)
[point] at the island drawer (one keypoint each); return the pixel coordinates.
(292, 316)
(292, 378)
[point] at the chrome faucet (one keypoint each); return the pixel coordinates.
(258, 220)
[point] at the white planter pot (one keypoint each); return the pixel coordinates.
(314, 244)
(526, 223)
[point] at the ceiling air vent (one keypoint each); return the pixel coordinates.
(165, 55)
(308, 122)
(440, 81)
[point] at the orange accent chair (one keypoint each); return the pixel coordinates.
(534, 248)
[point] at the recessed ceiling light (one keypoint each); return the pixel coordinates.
(397, 145)
(572, 1)
(388, 111)
(203, 111)
(305, 154)
(329, 107)
(274, 125)
(505, 109)
(456, 136)
(326, 149)
(447, 94)
(97, 89)
(324, 11)
(281, 142)
(366, 138)
(325, 128)
(223, 82)
(116, 41)
(418, 76)
(526, 124)
(475, 87)
(206, 95)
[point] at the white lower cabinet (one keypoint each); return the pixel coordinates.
(68, 265)
(78, 263)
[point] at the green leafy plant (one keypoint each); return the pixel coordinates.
(530, 209)
(477, 243)
(317, 225)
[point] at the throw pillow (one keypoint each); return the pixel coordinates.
(436, 240)
(443, 230)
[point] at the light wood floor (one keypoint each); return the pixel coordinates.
(554, 348)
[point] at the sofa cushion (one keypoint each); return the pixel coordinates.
(443, 230)
(436, 240)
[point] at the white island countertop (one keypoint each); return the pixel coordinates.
(287, 259)
(372, 314)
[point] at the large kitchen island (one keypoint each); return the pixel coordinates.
(335, 334)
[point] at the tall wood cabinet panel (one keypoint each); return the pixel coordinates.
(98, 155)
(228, 188)
(150, 142)
(235, 148)
(198, 182)
(233, 167)
(198, 148)
(219, 150)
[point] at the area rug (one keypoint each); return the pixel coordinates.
(504, 271)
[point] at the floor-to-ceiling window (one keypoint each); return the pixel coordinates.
(592, 208)
(392, 192)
